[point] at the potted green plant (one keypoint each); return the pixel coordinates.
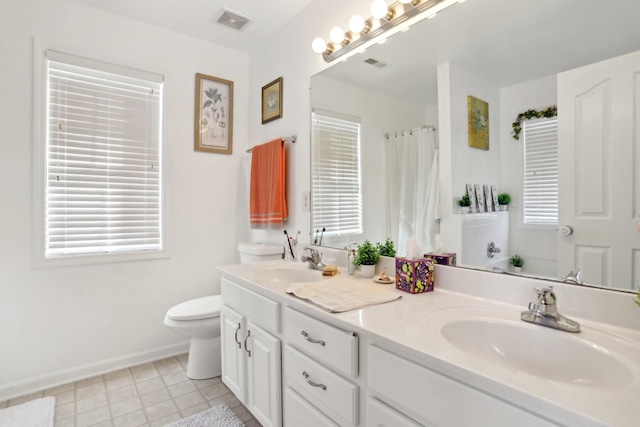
(465, 202)
(517, 263)
(503, 200)
(387, 261)
(386, 249)
(367, 258)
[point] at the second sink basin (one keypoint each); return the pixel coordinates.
(591, 358)
(287, 274)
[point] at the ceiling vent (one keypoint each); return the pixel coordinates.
(375, 63)
(233, 19)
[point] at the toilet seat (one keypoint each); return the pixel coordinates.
(196, 309)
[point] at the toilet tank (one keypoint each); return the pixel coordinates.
(258, 252)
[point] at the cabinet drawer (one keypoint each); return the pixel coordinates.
(380, 415)
(299, 412)
(261, 310)
(334, 347)
(332, 394)
(434, 399)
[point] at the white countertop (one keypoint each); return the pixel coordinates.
(412, 324)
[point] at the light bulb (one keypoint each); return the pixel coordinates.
(405, 1)
(379, 9)
(318, 45)
(336, 35)
(356, 24)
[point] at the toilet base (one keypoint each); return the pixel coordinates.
(204, 359)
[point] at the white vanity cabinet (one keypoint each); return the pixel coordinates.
(320, 363)
(433, 399)
(251, 355)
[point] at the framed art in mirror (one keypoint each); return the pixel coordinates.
(478, 115)
(213, 115)
(272, 101)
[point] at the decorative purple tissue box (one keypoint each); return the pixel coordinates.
(442, 259)
(414, 276)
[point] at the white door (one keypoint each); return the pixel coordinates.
(232, 335)
(264, 398)
(599, 183)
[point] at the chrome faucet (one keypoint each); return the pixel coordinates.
(574, 277)
(492, 249)
(315, 260)
(544, 312)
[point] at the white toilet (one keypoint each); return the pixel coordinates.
(199, 319)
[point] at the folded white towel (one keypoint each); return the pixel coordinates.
(340, 294)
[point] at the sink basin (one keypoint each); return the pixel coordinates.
(287, 274)
(591, 358)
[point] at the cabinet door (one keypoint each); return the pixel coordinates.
(264, 381)
(232, 335)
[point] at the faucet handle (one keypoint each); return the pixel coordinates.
(546, 296)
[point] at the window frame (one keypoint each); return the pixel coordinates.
(39, 162)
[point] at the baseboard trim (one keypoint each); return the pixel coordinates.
(65, 376)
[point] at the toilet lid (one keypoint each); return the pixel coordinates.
(195, 309)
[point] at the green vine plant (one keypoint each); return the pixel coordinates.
(532, 114)
(637, 301)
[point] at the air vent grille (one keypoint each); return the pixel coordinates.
(375, 63)
(233, 19)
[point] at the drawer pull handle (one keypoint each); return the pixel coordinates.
(245, 344)
(306, 378)
(236, 336)
(311, 340)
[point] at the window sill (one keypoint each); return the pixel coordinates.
(70, 261)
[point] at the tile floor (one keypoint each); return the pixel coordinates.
(152, 394)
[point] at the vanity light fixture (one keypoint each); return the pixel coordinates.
(385, 20)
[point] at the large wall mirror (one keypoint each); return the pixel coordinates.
(515, 56)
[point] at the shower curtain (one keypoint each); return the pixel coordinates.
(413, 202)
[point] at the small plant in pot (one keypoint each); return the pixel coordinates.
(517, 263)
(386, 249)
(367, 258)
(465, 202)
(503, 200)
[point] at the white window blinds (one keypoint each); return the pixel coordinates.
(540, 195)
(103, 159)
(335, 170)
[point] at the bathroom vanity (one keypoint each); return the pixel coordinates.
(458, 356)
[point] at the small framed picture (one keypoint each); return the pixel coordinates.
(213, 115)
(272, 101)
(480, 198)
(472, 195)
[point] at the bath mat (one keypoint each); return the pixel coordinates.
(218, 416)
(35, 413)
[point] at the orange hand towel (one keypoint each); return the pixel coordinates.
(268, 204)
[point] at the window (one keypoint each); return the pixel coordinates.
(103, 160)
(335, 174)
(540, 188)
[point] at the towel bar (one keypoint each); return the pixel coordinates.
(291, 139)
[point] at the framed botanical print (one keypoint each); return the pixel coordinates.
(213, 115)
(272, 101)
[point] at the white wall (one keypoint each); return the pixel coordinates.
(537, 246)
(461, 164)
(68, 322)
(289, 55)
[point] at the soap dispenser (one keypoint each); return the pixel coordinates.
(351, 257)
